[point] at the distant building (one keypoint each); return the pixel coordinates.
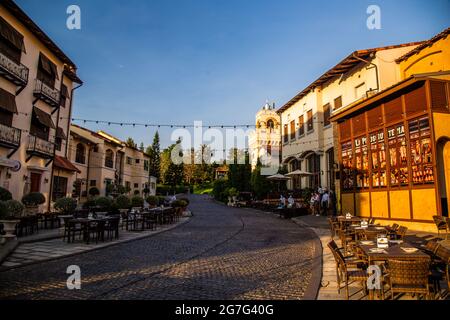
(221, 172)
(265, 140)
(104, 160)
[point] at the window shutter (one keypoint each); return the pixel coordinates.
(438, 96)
(326, 115)
(375, 117)
(416, 101)
(338, 103)
(393, 110)
(345, 130)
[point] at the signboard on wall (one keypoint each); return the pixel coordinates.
(13, 165)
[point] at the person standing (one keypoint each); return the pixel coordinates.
(325, 203)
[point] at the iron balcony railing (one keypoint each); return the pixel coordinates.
(13, 71)
(10, 136)
(47, 93)
(40, 146)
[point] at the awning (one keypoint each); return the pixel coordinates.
(60, 133)
(65, 164)
(11, 35)
(8, 101)
(44, 118)
(48, 66)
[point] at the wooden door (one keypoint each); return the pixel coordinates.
(35, 182)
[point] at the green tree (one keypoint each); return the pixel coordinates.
(240, 170)
(174, 175)
(155, 157)
(141, 147)
(130, 143)
(260, 185)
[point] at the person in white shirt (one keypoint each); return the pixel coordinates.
(291, 202)
(325, 203)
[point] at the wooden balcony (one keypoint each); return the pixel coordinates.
(49, 95)
(10, 137)
(40, 148)
(13, 71)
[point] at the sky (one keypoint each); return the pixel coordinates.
(216, 61)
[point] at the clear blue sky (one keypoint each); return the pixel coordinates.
(163, 61)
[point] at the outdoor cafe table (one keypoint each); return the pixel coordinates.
(85, 226)
(394, 252)
(344, 222)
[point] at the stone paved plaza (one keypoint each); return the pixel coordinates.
(221, 253)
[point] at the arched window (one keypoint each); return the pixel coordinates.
(270, 124)
(109, 159)
(80, 156)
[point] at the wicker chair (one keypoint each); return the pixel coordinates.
(409, 277)
(334, 226)
(441, 225)
(401, 232)
(346, 276)
(371, 235)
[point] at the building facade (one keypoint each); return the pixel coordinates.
(103, 160)
(393, 148)
(265, 141)
(308, 135)
(37, 85)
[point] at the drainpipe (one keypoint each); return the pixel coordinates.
(376, 71)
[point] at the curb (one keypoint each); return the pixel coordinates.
(4, 269)
(312, 292)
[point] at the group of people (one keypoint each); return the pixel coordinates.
(323, 202)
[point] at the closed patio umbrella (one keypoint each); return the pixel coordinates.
(299, 173)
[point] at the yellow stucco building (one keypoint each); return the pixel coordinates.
(394, 147)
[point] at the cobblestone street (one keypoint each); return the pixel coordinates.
(221, 253)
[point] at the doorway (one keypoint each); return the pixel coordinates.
(35, 182)
(443, 167)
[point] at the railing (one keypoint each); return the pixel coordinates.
(15, 69)
(9, 135)
(41, 146)
(46, 92)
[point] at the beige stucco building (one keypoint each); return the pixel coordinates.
(265, 140)
(37, 84)
(308, 136)
(104, 160)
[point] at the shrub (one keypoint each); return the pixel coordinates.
(66, 205)
(104, 203)
(121, 189)
(123, 202)
(90, 203)
(232, 192)
(219, 188)
(152, 200)
(137, 202)
(4, 211)
(15, 208)
(33, 199)
(186, 200)
(94, 192)
(161, 200)
(146, 191)
(5, 195)
(137, 192)
(179, 204)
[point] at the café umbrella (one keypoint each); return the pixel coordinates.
(299, 173)
(279, 178)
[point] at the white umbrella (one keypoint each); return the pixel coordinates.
(299, 173)
(278, 177)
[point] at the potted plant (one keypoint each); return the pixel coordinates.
(104, 204)
(5, 195)
(123, 203)
(232, 196)
(94, 192)
(32, 201)
(152, 201)
(9, 213)
(66, 206)
(137, 202)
